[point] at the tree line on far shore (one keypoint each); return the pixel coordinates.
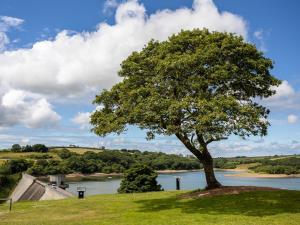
(108, 161)
(117, 161)
(29, 148)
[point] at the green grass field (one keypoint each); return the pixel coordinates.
(252, 208)
(53, 152)
(78, 150)
(19, 155)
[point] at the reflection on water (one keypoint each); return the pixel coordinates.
(189, 181)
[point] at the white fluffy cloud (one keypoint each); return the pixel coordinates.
(283, 90)
(74, 64)
(82, 119)
(292, 118)
(7, 22)
(286, 98)
(108, 5)
(32, 111)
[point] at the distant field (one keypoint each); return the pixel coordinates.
(246, 166)
(52, 152)
(78, 150)
(284, 157)
(160, 208)
(2, 161)
(18, 155)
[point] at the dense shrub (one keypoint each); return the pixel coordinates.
(15, 148)
(4, 180)
(16, 166)
(223, 163)
(41, 156)
(7, 183)
(64, 153)
(288, 165)
(27, 148)
(45, 167)
(39, 148)
(140, 178)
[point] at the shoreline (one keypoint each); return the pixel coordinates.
(240, 173)
(262, 175)
(72, 175)
(175, 171)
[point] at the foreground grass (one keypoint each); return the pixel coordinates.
(255, 208)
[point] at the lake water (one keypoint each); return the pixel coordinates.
(189, 181)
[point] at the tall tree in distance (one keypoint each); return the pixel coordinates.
(198, 85)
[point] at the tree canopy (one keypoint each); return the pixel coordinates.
(198, 85)
(140, 178)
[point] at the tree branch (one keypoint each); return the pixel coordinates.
(187, 143)
(215, 139)
(201, 139)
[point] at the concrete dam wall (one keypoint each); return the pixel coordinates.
(29, 188)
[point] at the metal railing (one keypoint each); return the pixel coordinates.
(9, 200)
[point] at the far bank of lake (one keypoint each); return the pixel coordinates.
(189, 181)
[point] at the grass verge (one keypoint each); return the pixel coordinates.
(251, 208)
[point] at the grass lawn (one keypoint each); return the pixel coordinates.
(252, 208)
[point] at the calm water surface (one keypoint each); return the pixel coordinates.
(189, 181)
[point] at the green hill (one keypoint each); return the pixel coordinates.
(161, 208)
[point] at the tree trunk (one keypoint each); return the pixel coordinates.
(211, 180)
(204, 157)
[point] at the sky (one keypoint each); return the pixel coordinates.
(55, 56)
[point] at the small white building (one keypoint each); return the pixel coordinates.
(58, 180)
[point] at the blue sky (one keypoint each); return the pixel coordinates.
(56, 55)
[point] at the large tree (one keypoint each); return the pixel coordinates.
(198, 85)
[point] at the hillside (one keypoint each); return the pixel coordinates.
(160, 208)
(92, 160)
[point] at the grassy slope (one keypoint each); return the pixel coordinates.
(246, 166)
(78, 150)
(274, 207)
(2, 161)
(16, 155)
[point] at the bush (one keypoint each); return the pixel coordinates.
(39, 148)
(140, 178)
(42, 156)
(7, 183)
(275, 169)
(15, 148)
(27, 148)
(4, 180)
(48, 167)
(64, 153)
(288, 165)
(17, 165)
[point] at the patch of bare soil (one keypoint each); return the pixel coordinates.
(226, 190)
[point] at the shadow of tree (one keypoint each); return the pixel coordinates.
(260, 203)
